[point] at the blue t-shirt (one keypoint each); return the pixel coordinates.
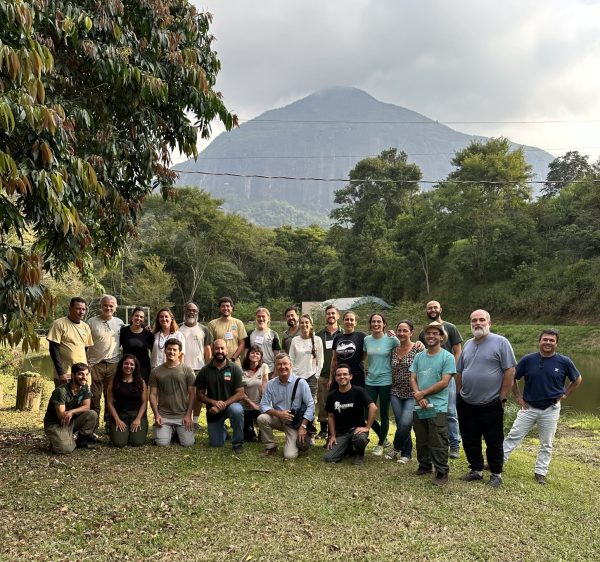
(545, 378)
(429, 370)
(379, 353)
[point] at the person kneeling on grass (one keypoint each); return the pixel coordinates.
(348, 430)
(287, 404)
(219, 385)
(172, 398)
(127, 402)
(431, 372)
(69, 412)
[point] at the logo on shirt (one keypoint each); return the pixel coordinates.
(338, 406)
(227, 375)
(346, 349)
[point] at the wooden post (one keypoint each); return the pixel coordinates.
(29, 391)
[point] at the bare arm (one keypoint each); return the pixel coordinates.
(187, 419)
(240, 349)
(456, 351)
(507, 382)
(207, 354)
(572, 386)
(371, 413)
(154, 405)
(434, 388)
(458, 381)
(332, 369)
(135, 424)
(111, 406)
(65, 416)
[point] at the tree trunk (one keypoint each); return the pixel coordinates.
(29, 392)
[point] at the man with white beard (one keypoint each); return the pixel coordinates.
(198, 341)
(484, 378)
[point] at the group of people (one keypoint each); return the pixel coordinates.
(338, 378)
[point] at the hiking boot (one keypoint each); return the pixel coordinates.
(403, 460)
(238, 449)
(495, 480)
(391, 455)
(272, 452)
(378, 450)
(93, 438)
(358, 460)
(540, 478)
(387, 444)
(322, 434)
(440, 479)
(471, 476)
(454, 453)
(421, 471)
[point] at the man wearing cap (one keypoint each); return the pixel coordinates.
(485, 375)
(453, 344)
(430, 374)
(545, 373)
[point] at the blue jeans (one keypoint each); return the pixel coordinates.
(453, 433)
(403, 412)
(217, 431)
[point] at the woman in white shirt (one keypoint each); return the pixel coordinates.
(306, 353)
(165, 328)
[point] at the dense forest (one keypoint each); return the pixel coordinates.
(476, 239)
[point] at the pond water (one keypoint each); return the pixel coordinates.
(585, 399)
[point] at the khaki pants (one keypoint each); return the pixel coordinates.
(61, 436)
(267, 423)
(322, 393)
(101, 374)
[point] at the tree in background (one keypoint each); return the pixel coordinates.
(94, 96)
(564, 170)
(150, 285)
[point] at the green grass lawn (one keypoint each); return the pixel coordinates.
(207, 504)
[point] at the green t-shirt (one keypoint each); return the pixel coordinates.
(172, 384)
(219, 384)
(429, 370)
(63, 394)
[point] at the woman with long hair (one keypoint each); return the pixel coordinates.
(266, 338)
(403, 402)
(306, 353)
(256, 375)
(127, 403)
(165, 328)
(136, 340)
(348, 348)
(378, 350)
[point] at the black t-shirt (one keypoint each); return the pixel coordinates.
(348, 408)
(349, 349)
(138, 345)
(126, 397)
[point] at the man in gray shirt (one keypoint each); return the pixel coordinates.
(484, 378)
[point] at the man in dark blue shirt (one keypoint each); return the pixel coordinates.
(545, 373)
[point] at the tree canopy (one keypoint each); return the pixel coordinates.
(94, 96)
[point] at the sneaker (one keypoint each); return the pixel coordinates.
(387, 444)
(93, 438)
(403, 460)
(454, 454)
(378, 450)
(238, 449)
(422, 471)
(495, 480)
(272, 452)
(440, 479)
(322, 434)
(539, 478)
(471, 476)
(358, 460)
(391, 455)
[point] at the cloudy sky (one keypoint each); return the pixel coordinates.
(530, 69)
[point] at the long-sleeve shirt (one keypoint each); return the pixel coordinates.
(305, 365)
(278, 396)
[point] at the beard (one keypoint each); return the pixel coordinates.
(291, 322)
(481, 331)
(220, 357)
(433, 316)
(191, 320)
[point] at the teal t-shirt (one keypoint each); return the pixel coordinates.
(429, 370)
(379, 353)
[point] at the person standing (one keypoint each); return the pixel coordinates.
(220, 386)
(103, 356)
(68, 339)
(230, 329)
(453, 344)
(136, 340)
(306, 354)
(485, 374)
(69, 412)
(165, 329)
(327, 336)
(430, 374)
(545, 373)
(291, 319)
(348, 348)
(379, 348)
(264, 337)
(348, 429)
(172, 396)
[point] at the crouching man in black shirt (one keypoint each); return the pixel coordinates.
(348, 430)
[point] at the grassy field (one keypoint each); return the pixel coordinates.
(207, 504)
